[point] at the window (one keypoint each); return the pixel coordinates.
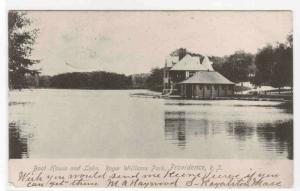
(208, 87)
(200, 87)
(216, 87)
(223, 87)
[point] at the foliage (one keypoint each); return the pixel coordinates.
(20, 43)
(236, 67)
(90, 80)
(139, 80)
(155, 80)
(275, 65)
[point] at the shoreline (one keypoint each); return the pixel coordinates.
(236, 97)
(159, 95)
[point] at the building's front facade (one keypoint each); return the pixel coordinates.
(206, 85)
(191, 76)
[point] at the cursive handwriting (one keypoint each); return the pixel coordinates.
(146, 176)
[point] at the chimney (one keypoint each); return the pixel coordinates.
(181, 53)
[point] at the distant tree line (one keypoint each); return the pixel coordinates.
(86, 80)
(139, 80)
(97, 80)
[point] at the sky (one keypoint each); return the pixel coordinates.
(131, 42)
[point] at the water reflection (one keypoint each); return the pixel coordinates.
(277, 136)
(181, 126)
(184, 128)
(18, 144)
(175, 128)
(240, 130)
(227, 129)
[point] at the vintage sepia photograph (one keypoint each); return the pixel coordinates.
(150, 85)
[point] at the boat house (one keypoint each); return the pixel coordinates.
(192, 76)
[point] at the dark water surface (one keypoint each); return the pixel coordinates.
(112, 124)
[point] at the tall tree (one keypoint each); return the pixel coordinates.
(20, 42)
(279, 75)
(264, 62)
(275, 64)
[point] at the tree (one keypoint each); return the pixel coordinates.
(218, 62)
(235, 67)
(264, 62)
(275, 65)
(20, 42)
(154, 81)
(289, 60)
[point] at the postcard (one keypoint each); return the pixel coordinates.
(150, 99)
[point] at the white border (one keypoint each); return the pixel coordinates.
(152, 4)
(293, 5)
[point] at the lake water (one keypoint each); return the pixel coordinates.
(49, 123)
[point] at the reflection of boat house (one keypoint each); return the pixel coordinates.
(192, 76)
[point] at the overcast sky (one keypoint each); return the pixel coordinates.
(135, 42)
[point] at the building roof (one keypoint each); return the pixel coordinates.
(207, 63)
(192, 63)
(171, 60)
(207, 77)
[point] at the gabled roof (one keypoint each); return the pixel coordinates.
(207, 63)
(171, 60)
(207, 77)
(192, 63)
